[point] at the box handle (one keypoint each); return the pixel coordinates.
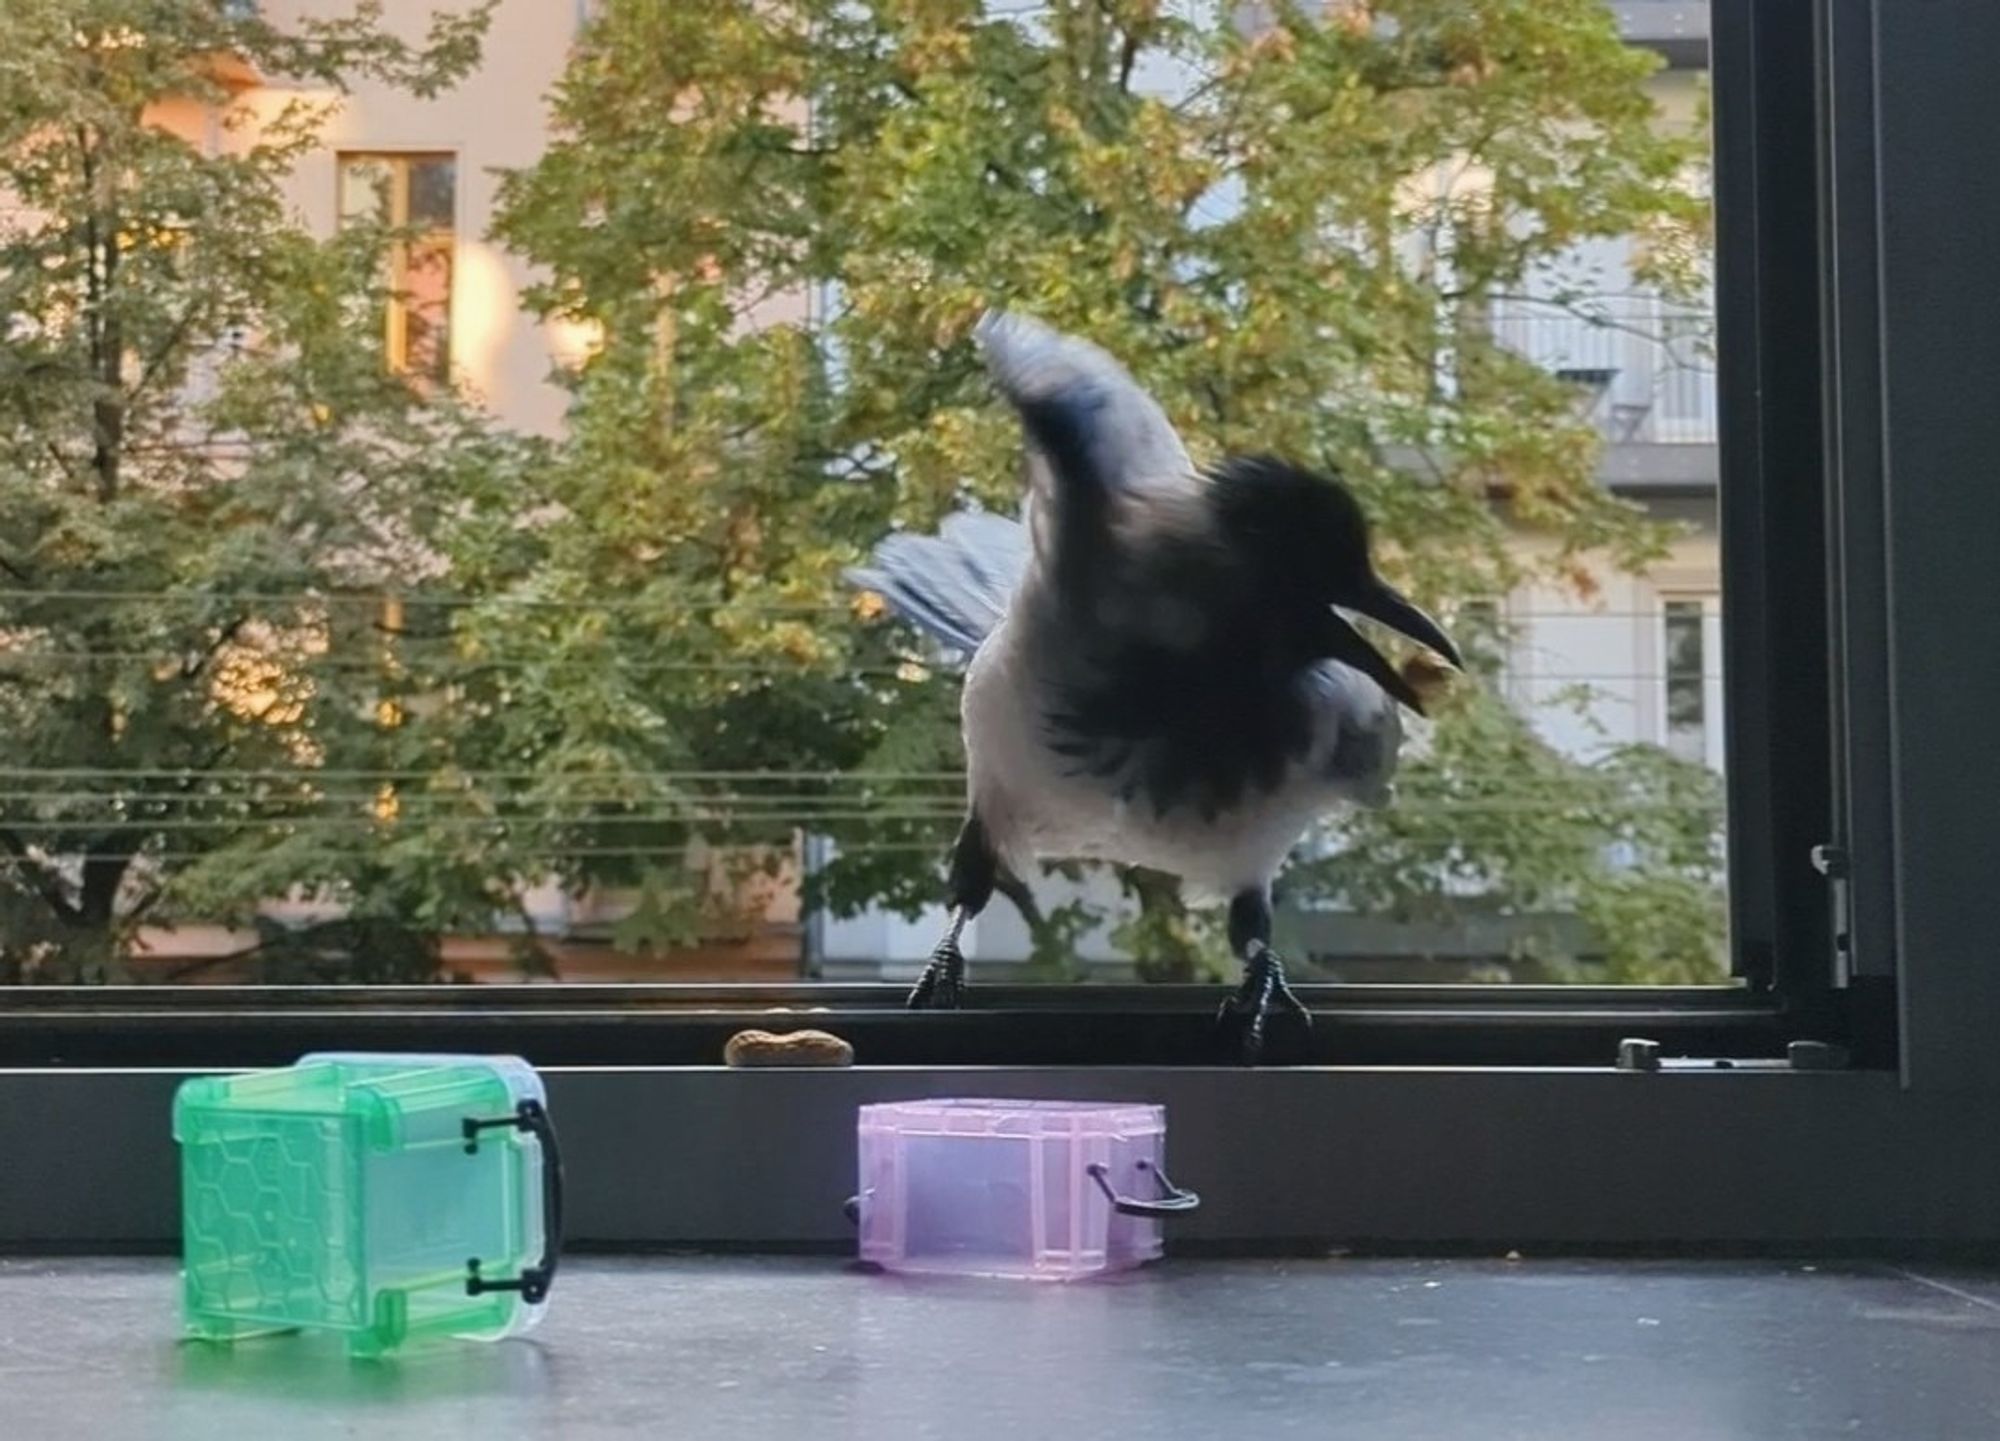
(534, 1281)
(1173, 1200)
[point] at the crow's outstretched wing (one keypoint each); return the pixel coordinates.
(954, 585)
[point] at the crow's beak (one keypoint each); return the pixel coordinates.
(1382, 602)
(1342, 642)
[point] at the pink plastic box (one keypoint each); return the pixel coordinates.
(1043, 1190)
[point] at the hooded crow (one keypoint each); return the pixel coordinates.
(1160, 672)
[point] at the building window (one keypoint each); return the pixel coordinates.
(416, 197)
(1685, 649)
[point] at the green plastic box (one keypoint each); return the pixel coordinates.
(387, 1197)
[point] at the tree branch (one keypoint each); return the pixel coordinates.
(1128, 59)
(1596, 319)
(104, 867)
(146, 902)
(159, 357)
(1213, 393)
(107, 344)
(47, 884)
(192, 668)
(216, 756)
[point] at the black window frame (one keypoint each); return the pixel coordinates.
(1777, 143)
(1860, 344)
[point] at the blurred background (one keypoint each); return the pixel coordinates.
(430, 445)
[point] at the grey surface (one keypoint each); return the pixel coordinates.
(1678, 469)
(1397, 1157)
(739, 1348)
(1940, 355)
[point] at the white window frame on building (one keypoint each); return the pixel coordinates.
(1689, 646)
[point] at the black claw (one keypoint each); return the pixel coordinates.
(1250, 1007)
(942, 985)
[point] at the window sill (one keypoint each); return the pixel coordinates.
(1288, 1160)
(1074, 1026)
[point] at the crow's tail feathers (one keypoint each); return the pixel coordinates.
(954, 585)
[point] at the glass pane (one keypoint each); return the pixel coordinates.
(571, 685)
(426, 302)
(417, 193)
(433, 190)
(366, 190)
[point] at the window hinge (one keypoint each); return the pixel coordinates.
(1832, 861)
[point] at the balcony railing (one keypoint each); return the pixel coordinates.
(1644, 370)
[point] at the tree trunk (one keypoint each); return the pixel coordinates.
(1168, 952)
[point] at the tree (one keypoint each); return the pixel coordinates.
(1294, 241)
(1495, 822)
(1288, 252)
(211, 480)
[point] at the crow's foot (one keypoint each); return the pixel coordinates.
(1246, 1014)
(942, 985)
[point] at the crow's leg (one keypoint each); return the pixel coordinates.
(1246, 1013)
(974, 869)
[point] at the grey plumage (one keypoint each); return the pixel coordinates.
(1159, 673)
(1129, 444)
(954, 585)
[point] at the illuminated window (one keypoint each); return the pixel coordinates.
(415, 196)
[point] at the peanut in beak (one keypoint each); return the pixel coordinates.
(1429, 677)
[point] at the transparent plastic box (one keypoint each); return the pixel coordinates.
(1040, 1190)
(385, 1197)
